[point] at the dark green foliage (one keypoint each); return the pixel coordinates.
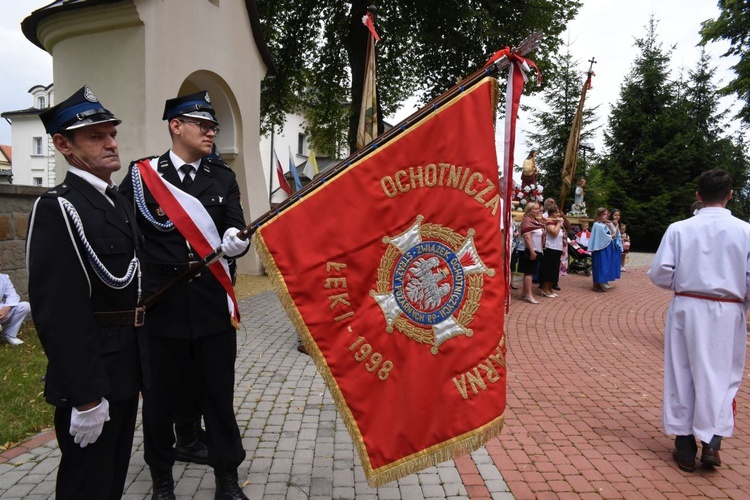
(425, 47)
(661, 136)
(553, 126)
(733, 25)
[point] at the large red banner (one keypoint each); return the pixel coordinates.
(393, 275)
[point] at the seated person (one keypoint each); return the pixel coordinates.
(12, 311)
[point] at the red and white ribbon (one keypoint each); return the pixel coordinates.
(194, 223)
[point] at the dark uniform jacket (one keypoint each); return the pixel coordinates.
(85, 361)
(198, 308)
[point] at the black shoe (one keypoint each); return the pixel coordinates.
(163, 485)
(555, 286)
(227, 487)
(684, 452)
(710, 455)
(301, 348)
(684, 462)
(191, 443)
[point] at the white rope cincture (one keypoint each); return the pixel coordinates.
(104, 275)
(140, 202)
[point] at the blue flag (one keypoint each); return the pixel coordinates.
(293, 170)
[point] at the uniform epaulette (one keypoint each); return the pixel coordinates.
(57, 191)
(217, 162)
(141, 159)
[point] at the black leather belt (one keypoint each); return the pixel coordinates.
(165, 269)
(133, 317)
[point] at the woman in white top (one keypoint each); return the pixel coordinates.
(550, 269)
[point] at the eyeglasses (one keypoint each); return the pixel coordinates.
(204, 127)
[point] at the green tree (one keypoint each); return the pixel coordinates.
(644, 170)
(426, 46)
(733, 25)
(554, 121)
(662, 135)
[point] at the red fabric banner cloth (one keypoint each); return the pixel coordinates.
(392, 273)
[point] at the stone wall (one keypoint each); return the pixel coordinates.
(15, 205)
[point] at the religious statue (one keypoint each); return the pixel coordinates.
(579, 205)
(530, 172)
(580, 190)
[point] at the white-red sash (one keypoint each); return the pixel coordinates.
(194, 223)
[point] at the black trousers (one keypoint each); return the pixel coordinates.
(97, 471)
(211, 359)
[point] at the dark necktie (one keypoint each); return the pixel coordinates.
(115, 197)
(187, 179)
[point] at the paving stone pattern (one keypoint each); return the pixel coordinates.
(583, 418)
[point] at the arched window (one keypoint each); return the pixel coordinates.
(41, 102)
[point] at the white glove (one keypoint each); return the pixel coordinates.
(86, 426)
(231, 244)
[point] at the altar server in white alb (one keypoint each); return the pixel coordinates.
(705, 261)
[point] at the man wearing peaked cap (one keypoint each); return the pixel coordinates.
(193, 338)
(82, 251)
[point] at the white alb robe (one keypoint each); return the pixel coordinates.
(704, 340)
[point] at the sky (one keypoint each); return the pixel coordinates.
(603, 29)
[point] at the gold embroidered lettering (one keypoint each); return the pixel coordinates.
(461, 386)
(339, 299)
(416, 178)
(430, 175)
(335, 283)
(492, 374)
(399, 176)
(337, 266)
(464, 178)
(344, 316)
(468, 189)
(498, 357)
(389, 187)
(476, 380)
(490, 187)
(443, 168)
(494, 204)
(454, 176)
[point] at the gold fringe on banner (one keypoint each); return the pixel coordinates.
(447, 450)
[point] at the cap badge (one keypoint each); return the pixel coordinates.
(208, 99)
(88, 95)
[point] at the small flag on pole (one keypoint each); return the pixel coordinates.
(283, 183)
(571, 151)
(293, 170)
(311, 169)
(368, 115)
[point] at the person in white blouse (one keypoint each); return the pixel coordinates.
(12, 310)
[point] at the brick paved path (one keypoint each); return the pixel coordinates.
(584, 401)
(583, 418)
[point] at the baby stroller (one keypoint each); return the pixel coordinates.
(579, 259)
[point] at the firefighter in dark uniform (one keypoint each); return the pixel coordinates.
(82, 249)
(191, 328)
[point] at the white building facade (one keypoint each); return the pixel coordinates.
(33, 153)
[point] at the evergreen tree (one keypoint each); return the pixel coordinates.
(553, 124)
(733, 26)
(662, 135)
(645, 168)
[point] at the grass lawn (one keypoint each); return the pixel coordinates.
(23, 411)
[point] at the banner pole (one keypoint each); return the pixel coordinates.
(490, 69)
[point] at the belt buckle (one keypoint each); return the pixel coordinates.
(190, 266)
(140, 316)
